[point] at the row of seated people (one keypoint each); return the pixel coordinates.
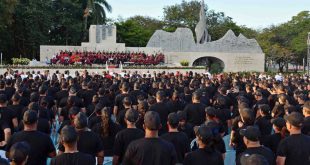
(89, 58)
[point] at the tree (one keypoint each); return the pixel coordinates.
(186, 14)
(96, 10)
(136, 31)
(286, 43)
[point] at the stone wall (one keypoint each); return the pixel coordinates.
(234, 62)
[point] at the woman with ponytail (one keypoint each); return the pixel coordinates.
(206, 154)
(280, 132)
(107, 130)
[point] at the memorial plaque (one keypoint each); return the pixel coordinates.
(110, 31)
(98, 36)
(104, 32)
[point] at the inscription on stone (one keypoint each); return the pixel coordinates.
(244, 60)
(104, 31)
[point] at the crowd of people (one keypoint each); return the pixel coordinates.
(154, 118)
(101, 58)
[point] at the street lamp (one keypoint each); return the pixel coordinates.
(308, 55)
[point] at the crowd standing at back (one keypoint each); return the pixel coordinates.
(154, 119)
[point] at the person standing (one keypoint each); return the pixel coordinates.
(162, 109)
(178, 139)
(69, 138)
(206, 154)
(195, 112)
(126, 136)
(251, 136)
(306, 112)
(40, 143)
(151, 149)
(295, 149)
(88, 141)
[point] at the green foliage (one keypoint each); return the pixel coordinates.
(216, 68)
(25, 25)
(287, 42)
(137, 31)
(184, 63)
(20, 61)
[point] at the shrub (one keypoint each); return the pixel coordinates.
(20, 61)
(184, 63)
(216, 68)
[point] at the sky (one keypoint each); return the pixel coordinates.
(256, 14)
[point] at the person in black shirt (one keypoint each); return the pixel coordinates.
(272, 141)
(251, 136)
(120, 118)
(184, 126)
(206, 154)
(17, 107)
(306, 112)
(151, 149)
(126, 136)
(178, 139)
(263, 120)
(76, 100)
(195, 112)
(107, 131)
(7, 115)
(40, 143)
(118, 104)
(62, 93)
(9, 90)
(294, 149)
(137, 92)
(176, 104)
(88, 141)
(162, 109)
(259, 101)
(19, 153)
(71, 155)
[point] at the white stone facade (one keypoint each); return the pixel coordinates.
(237, 53)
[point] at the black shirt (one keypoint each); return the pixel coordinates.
(40, 143)
(7, 115)
(88, 142)
(163, 111)
(264, 151)
(264, 125)
(77, 158)
(296, 149)
(188, 129)
(204, 156)
(306, 126)
(18, 111)
(123, 139)
(195, 113)
(272, 141)
(150, 151)
(181, 143)
(108, 141)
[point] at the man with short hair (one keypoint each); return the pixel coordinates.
(295, 149)
(71, 155)
(40, 143)
(254, 159)
(118, 104)
(163, 110)
(178, 139)
(151, 149)
(251, 136)
(195, 112)
(88, 141)
(306, 112)
(126, 136)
